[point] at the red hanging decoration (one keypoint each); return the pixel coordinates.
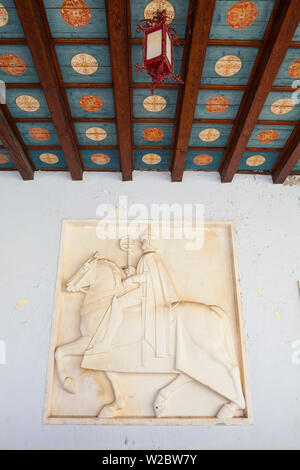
(158, 57)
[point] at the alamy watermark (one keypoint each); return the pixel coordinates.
(296, 353)
(2, 352)
(160, 221)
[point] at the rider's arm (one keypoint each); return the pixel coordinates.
(136, 279)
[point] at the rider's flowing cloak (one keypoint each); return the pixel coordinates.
(159, 294)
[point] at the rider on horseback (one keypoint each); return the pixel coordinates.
(150, 287)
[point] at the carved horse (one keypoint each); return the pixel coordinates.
(203, 349)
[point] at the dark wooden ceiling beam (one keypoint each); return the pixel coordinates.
(202, 19)
(280, 35)
(164, 86)
(33, 18)
(80, 41)
(13, 144)
(116, 12)
(287, 160)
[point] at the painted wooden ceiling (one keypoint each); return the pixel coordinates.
(89, 83)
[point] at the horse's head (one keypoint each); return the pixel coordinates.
(81, 279)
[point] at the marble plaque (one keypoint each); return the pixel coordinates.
(147, 331)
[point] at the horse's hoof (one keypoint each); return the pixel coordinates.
(108, 411)
(230, 410)
(69, 385)
(159, 405)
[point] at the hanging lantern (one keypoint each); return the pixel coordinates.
(158, 57)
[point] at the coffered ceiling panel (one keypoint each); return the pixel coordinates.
(152, 160)
(99, 160)
(84, 63)
(205, 160)
(76, 18)
(241, 20)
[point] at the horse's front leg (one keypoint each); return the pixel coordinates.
(108, 411)
(160, 402)
(76, 348)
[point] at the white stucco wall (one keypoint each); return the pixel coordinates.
(267, 221)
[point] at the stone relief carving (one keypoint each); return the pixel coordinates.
(164, 333)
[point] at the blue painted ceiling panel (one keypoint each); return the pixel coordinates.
(213, 104)
(5, 160)
(263, 138)
(249, 24)
(91, 18)
(32, 133)
(258, 161)
(55, 158)
(234, 69)
(297, 34)
(286, 75)
(169, 97)
(27, 103)
(107, 159)
(162, 157)
(297, 166)
(84, 63)
(212, 135)
(181, 8)
(91, 102)
(106, 131)
(280, 107)
(10, 25)
(16, 65)
(203, 160)
(162, 131)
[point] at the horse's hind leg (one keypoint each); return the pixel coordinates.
(76, 348)
(234, 408)
(108, 411)
(164, 393)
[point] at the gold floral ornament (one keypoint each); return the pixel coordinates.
(217, 104)
(228, 66)
(84, 64)
(28, 103)
(203, 160)
(49, 158)
(267, 137)
(96, 133)
(76, 13)
(100, 158)
(151, 159)
(256, 160)
(91, 103)
(242, 15)
(12, 64)
(294, 69)
(39, 133)
(209, 135)
(155, 103)
(160, 5)
(3, 159)
(153, 134)
(3, 16)
(283, 106)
